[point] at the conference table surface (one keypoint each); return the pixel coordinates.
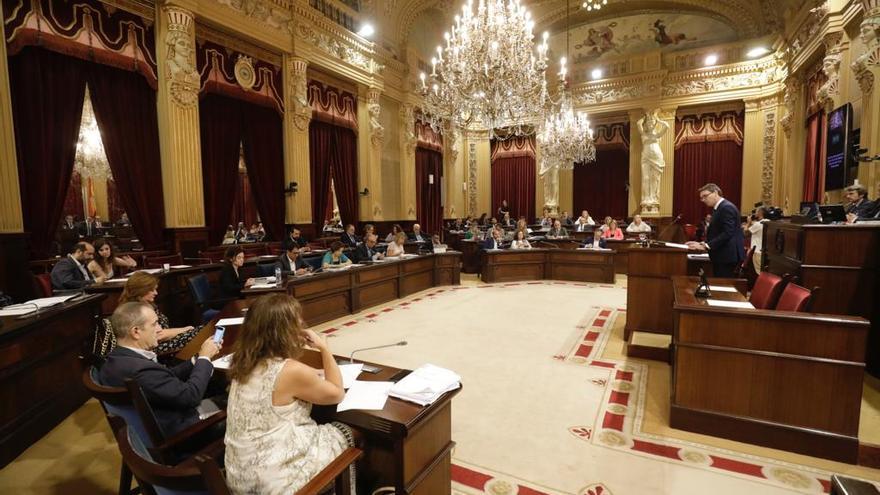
(408, 442)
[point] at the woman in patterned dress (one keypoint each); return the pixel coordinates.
(143, 287)
(273, 446)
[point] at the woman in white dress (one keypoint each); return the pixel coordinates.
(395, 247)
(273, 446)
(520, 241)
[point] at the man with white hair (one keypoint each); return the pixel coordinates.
(637, 226)
(417, 234)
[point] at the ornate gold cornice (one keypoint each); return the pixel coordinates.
(733, 76)
(207, 33)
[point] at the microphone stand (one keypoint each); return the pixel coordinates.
(368, 368)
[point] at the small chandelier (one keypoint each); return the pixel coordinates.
(591, 5)
(490, 75)
(90, 160)
(565, 137)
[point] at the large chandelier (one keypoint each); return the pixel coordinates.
(90, 160)
(490, 75)
(565, 137)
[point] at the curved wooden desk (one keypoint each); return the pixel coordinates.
(582, 265)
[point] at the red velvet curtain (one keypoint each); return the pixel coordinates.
(115, 206)
(699, 163)
(601, 187)
(263, 140)
(125, 109)
(243, 208)
(429, 211)
(344, 164)
(814, 170)
(220, 129)
(47, 97)
(73, 202)
(513, 179)
(321, 141)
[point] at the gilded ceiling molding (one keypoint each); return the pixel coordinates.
(333, 46)
(734, 76)
(273, 13)
(622, 89)
(206, 33)
(869, 60)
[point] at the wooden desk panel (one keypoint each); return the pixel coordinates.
(582, 265)
(557, 264)
(649, 289)
(470, 256)
(784, 380)
(40, 371)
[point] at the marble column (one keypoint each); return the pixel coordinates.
(453, 173)
(370, 137)
(11, 220)
(178, 114)
(479, 167)
(407, 162)
(298, 115)
(791, 142)
(667, 145)
(752, 151)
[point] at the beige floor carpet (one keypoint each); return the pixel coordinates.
(549, 405)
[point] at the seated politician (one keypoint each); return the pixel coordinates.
(506, 221)
(637, 226)
(176, 394)
(557, 231)
(291, 262)
(417, 235)
(613, 231)
(348, 238)
(231, 279)
(72, 273)
(367, 250)
(583, 221)
(495, 241)
(520, 240)
(858, 206)
(295, 239)
(395, 229)
(396, 246)
(335, 257)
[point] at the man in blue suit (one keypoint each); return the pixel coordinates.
(724, 236)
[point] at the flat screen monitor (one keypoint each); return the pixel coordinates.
(838, 158)
(832, 213)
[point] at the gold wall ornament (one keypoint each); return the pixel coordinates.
(472, 179)
(809, 28)
(769, 162)
(831, 67)
(245, 75)
(182, 77)
(869, 32)
(790, 99)
(408, 124)
(339, 49)
(377, 130)
(275, 13)
(298, 88)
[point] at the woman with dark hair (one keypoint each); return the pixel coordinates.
(335, 256)
(482, 220)
(143, 287)
(231, 282)
(272, 443)
(395, 229)
(105, 259)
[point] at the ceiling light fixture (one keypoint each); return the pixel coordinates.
(591, 5)
(596, 74)
(756, 52)
(711, 60)
(366, 30)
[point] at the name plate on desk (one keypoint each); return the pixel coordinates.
(729, 304)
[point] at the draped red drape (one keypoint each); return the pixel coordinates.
(221, 139)
(115, 208)
(73, 202)
(125, 109)
(344, 165)
(601, 187)
(333, 153)
(243, 209)
(47, 97)
(814, 170)
(513, 179)
(699, 163)
(321, 139)
(429, 211)
(263, 141)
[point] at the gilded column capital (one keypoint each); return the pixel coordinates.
(298, 87)
(790, 99)
(408, 124)
(377, 131)
(829, 91)
(868, 62)
(181, 75)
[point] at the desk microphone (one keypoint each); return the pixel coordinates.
(351, 356)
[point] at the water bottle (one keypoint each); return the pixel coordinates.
(277, 276)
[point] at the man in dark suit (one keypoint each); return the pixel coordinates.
(367, 250)
(724, 236)
(175, 394)
(71, 273)
(295, 239)
(348, 237)
(417, 235)
(495, 241)
(87, 228)
(68, 223)
(291, 262)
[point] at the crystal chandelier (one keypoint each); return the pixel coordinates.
(490, 75)
(594, 4)
(565, 137)
(90, 160)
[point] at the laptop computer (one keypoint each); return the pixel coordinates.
(832, 213)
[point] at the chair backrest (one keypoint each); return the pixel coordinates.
(766, 291)
(213, 254)
(43, 284)
(158, 261)
(266, 269)
(116, 401)
(795, 298)
(145, 413)
(155, 478)
(199, 288)
(313, 261)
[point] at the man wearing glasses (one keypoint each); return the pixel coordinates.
(724, 237)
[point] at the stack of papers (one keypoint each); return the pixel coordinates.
(729, 304)
(365, 395)
(676, 245)
(223, 362)
(263, 286)
(174, 267)
(350, 372)
(227, 322)
(722, 288)
(34, 305)
(426, 384)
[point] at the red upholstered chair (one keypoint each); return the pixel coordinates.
(795, 298)
(690, 230)
(43, 285)
(766, 291)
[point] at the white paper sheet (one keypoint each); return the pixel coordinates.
(722, 288)
(116, 280)
(180, 266)
(263, 286)
(701, 256)
(223, 362)
(17, 311)
(150, 270)
(676, 245)
(227, 322)
(369, 396)
(350, 372)
(730, 304)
